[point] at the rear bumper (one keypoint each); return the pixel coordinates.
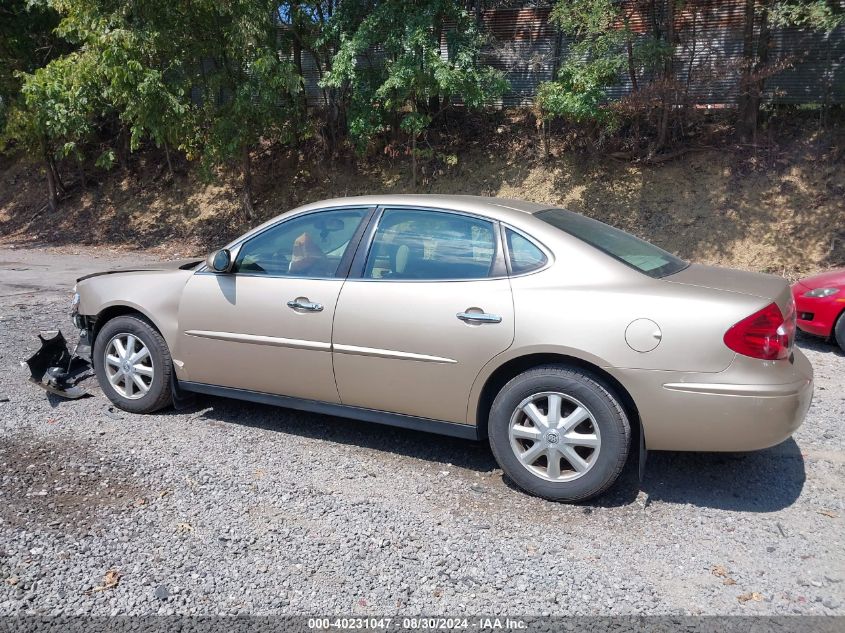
(751, 405)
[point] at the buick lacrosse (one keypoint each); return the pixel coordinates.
(561, 339)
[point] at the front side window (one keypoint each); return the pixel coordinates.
(430, 245)
(636, 253)
(524, 254)
(308, 246)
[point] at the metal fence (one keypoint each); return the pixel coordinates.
(528, 49)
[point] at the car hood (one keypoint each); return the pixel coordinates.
(824, 280)
(741, 281)
(178, 264)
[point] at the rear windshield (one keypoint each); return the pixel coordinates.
(630, 250)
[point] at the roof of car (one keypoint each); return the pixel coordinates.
(504, 209)
(472, 204)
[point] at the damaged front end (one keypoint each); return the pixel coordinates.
(54, 368)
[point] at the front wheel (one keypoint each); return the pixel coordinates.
(839, 331)
(559, 434)
(133, 364)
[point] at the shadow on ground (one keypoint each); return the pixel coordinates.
(818, 344)
(763, 481)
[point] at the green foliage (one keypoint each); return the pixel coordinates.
(246, 85)
(595, 60)
(27, 42)
(56, 112)
(389, 56)
(817, 15)
(576, 96)
(139, 61)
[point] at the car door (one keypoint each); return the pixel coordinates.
(266, 326)
(428, 306)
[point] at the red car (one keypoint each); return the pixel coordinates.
(820, 302)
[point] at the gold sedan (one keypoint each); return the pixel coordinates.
(561, 339)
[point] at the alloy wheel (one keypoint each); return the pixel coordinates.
(554, 436)
(129, 366)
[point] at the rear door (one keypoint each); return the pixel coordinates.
(267, 325)
(427, 306)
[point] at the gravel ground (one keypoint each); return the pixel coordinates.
(231, 508)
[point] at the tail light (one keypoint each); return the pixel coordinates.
(766, 334)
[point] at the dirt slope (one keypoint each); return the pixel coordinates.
(779, 209)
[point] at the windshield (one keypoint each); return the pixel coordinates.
(630, 250)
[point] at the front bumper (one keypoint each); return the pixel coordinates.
(751, 405)
(54, 368)
(816, 315)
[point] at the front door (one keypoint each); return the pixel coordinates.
(431, 308)
(267, 325)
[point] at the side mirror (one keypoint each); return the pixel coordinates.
(220, 261)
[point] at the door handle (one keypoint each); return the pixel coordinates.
(479, 317)
(302, 303)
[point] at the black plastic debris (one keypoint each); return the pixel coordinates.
(55, 369)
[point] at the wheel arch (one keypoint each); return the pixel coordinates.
(514, 366)
(115, 310)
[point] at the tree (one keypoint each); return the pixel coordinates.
(760, 16)
(592, 63)
(823, 16)
(141, 61)
(27, 42)
(247, 87)
(205, 76)
(390, 57)
(55, 114)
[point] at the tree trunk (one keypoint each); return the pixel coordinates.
(246, 193)
(81, 169)
(57, 179)
(297, 58)
(547, 150)
(828, 84)
(668, 78)
(629, 51)
(744, 100)
(169, 164)
(123, 148)
(414, 161)
(757, 80)
(52, 190)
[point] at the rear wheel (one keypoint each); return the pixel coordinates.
(133, 364)
(559, 434)
(839, 331)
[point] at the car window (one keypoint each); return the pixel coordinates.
(308, 246)
(636, 253)
(524, 254)
(416, 244)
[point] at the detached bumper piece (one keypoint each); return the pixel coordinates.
(56, 370)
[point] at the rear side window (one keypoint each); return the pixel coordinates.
(524, 254)
(636, 253)
(413, 244)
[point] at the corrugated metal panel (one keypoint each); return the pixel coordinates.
(818, 67)
(522, 45)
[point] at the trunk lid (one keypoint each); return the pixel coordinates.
(767, 287)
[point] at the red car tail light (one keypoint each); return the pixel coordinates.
(766, 334)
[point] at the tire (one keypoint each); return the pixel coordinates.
(605, 428)
(839, 331)
(153, 370)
